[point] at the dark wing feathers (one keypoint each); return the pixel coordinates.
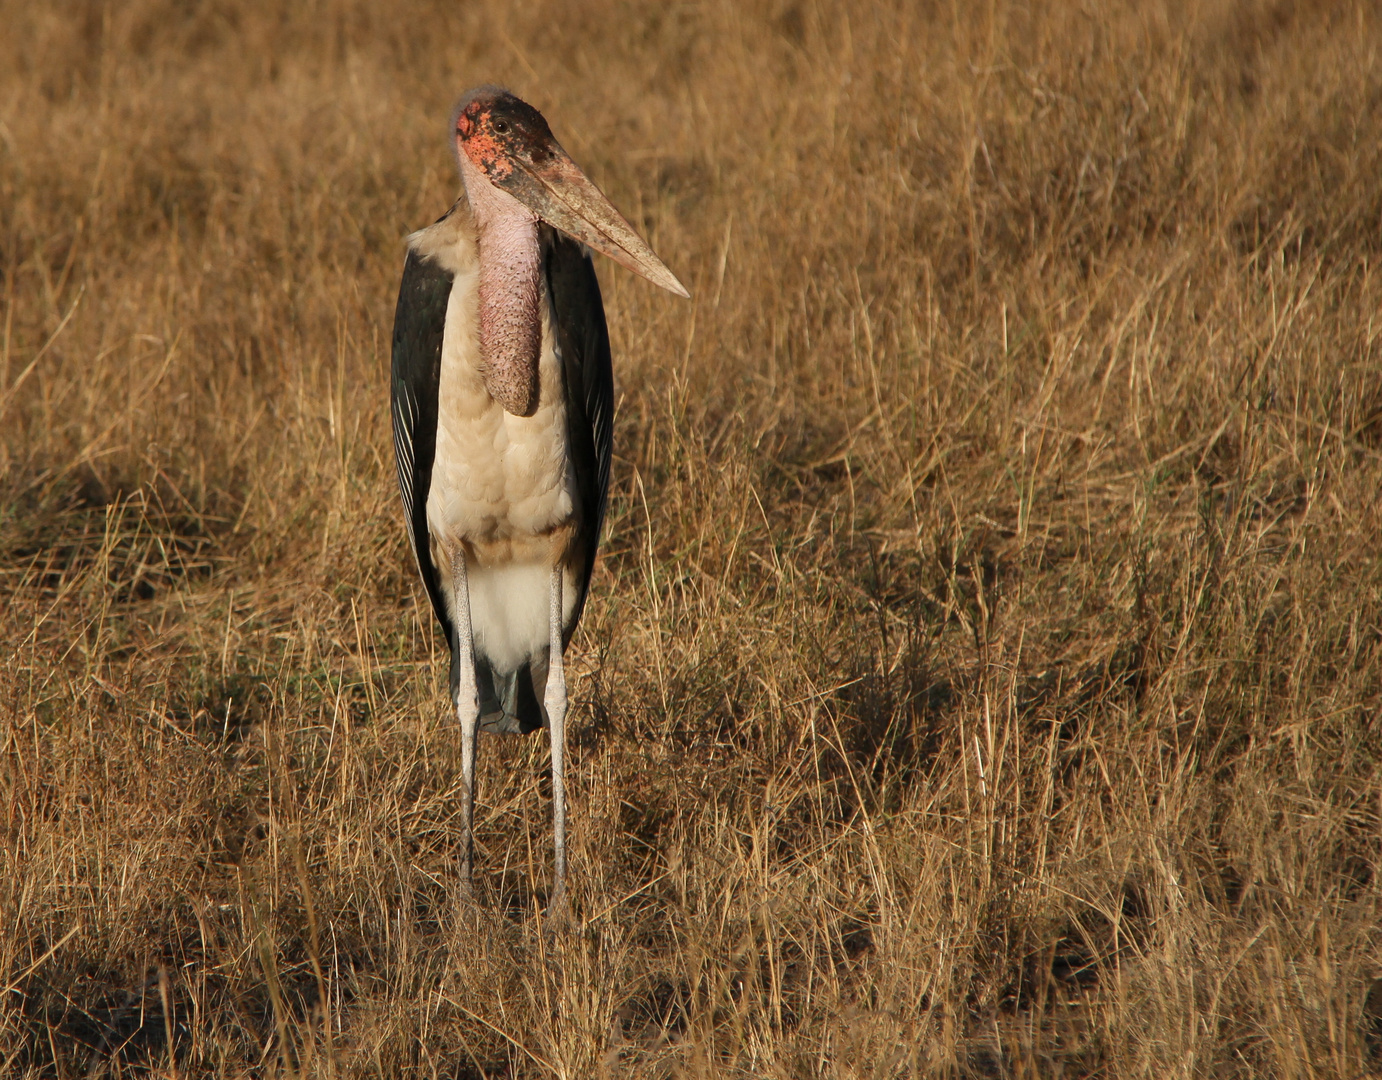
(418, 326)
(583, 343)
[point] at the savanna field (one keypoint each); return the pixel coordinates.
(982, 675)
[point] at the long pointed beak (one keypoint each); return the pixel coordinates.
(560, 194)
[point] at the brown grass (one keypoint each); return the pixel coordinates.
(983, 674)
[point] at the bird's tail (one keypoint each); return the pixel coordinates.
(510, 703)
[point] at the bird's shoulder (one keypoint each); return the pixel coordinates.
(450, 241)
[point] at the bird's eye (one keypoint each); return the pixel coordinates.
(501, 127)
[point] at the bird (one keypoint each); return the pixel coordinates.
(502, 403)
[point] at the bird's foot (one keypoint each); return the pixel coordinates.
(464, 903)
(464, 921)
(557, 919)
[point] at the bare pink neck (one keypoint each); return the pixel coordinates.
(510, 323)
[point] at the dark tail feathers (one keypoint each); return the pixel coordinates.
(512, 703)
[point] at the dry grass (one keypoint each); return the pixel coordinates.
(984, 671)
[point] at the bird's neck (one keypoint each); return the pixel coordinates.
(510, 265)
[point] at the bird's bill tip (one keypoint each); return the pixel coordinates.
(645, 264)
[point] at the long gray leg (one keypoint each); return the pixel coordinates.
(467, 712)
(555, 702)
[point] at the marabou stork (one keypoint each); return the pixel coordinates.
(502, 408)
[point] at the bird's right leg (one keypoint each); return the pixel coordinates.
(467, 710)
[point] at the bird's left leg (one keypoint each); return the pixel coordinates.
(555, 702)
(467, 711)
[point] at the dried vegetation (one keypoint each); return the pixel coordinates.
(983, 673)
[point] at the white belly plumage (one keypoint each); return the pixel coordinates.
(502, 485)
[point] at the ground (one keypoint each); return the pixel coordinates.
(983, 672)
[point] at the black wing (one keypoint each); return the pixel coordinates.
(418, 326)
(583, 343)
